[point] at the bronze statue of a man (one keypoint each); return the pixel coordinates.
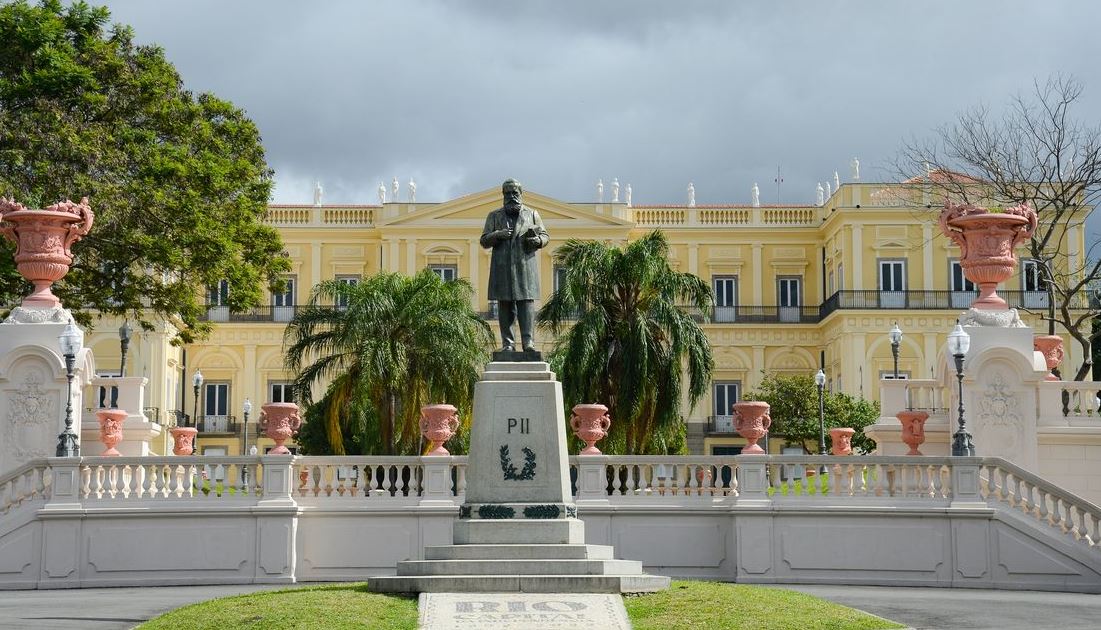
(516, 234)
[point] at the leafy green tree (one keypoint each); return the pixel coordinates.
(400, 343)
(178, 182)
(623, 341)
(793, 405)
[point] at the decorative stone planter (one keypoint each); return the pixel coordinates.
(280, 421)
(110, 429)
(1051, 346)
(590, 424)
(753, 422)
(438, 425)
(841, 441)
(913, 429)
(184, 440)
(43, 239)
(987, 241)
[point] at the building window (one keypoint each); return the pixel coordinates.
(726, 297)
(840, 277)
(726, 393)
(559, 277)
(1034, 284)
(280, 392)
(282, 303)
(447, 273)
(215, 407)
(892, 283)
(890, 375)
(830, 285)
(218, 294)
(963, 290)
(790, 297)
(351, 281)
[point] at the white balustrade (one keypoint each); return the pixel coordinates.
(801, 476)
(190, 477)
(29, 482)
(660, 476)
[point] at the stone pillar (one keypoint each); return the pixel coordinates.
(127, 393)
(276, 522)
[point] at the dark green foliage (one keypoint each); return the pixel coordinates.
(496, 511)
(178, 181)
(508, 469)
(631, 341)
(793, 405)
(401, 343)
(542, 511)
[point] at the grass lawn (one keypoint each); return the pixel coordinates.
(695, 605)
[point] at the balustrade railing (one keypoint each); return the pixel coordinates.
(192, 477)
(672, 476)
(926, 478)
(29, 482)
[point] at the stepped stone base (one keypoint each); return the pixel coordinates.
(519, 584)
(562, 531)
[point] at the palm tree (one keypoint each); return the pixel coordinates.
(399, 343)
(630, 343)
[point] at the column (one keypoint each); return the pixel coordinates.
(927, 258)
(249, 387)
(411, 256)
(857, 268)
(929, 366)
(694, 259)
(758, 274)
(860, 377)
(755, 370)
(315, 265)
(475, 260)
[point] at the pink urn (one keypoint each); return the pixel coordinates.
(438, 425)
(280, 421)
(987, 241)
(184, 440)
(110, 429)
(841, 441)
(753, 422)
(1051, 346)
(43, 239)
(913, 429)
(590, 424)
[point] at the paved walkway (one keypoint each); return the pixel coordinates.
(923, 608)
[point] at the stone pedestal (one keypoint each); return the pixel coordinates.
(518, 528)
(33, 385)
(139, 434)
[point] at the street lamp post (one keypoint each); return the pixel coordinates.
(196, 382)
(959, 342)
(71, 341)
(896, 339)
(124, 343)
(244, 442)
(820, 381)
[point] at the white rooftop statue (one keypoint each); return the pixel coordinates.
(600, 190)
(691, 195)
(628, 192)
(381, 193)
(836, 181)
(755, 196)
(819, 195)
(412, 191)
(317, 193)
(615, 190)
(856, 169)
(395, 188)
(829, 190)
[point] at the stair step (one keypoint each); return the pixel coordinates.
(566, 531)
(519, 552)
(519, 567)
(518, 584)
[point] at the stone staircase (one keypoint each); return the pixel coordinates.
(528, 556)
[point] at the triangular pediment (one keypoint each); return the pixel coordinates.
(473, 208)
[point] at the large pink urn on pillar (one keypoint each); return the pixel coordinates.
(183, 439)
(913, 429)
(1051, 346)
(590, 423)
(43, 239)
(841, 441)
(753, 422)
(280, 421)
(438, 425)
(987, 241)
(110, 429)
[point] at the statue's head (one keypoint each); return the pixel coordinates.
(513, 192)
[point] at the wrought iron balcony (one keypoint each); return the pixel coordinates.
(260, 314)
(721, 424)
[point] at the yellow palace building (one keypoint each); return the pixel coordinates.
(796, 288)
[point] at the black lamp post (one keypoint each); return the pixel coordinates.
(820, 381)
(244, 436)
(71, 340)
(959, 342)
(196, 383)
(124, 342)
(896, 339)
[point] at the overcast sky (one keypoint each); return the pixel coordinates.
(460, 95)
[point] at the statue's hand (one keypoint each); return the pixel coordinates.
(503, 235)
(532, 242)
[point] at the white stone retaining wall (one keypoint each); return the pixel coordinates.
(931, 521)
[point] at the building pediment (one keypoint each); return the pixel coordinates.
(472, 210)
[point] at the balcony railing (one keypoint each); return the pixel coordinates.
(935, 300)
(721, 424)
(210, 424)
(259, 314)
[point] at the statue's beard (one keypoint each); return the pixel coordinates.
(512, 205)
